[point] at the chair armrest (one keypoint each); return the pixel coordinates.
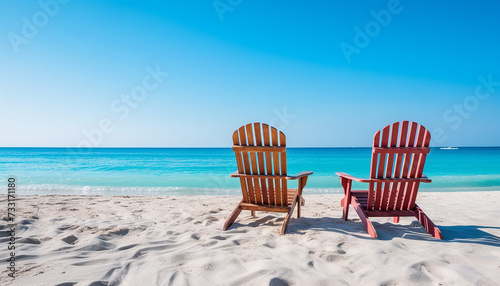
(299, 175)
(349, 177)
(235, 174)
(424, 179)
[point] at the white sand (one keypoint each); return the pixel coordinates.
(83, 240)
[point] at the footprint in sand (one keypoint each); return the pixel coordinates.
(278, 282)
(178, 278)
(70, 239)
(26, 221)
(91, 262)
(340, 250)
(29, 240)
(127, 247)
(99, 283)
(97, 245)
(210, 243)
(66, 226)
(269, 245)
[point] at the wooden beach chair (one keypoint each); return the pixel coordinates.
(398, 158)
(261, 158)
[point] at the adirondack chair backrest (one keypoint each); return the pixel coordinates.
(260, 149)
(398, 156)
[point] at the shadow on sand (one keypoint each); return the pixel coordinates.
(388, 231)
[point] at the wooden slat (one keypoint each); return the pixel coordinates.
(398, 188)
(409, 185)
(259, 149)
(269, 164)
(274, 136)
(265, 208)
(381, 168)
(403, 138)
(265, 132)
(400, 180)
(394, 195)
(250, 190)
(246, 164)
(410, 158)
(276, 165)
(253, 161)
(241, 170)
(408, 161)
(369, 203)
(394, 135)
(406, 165)
(385, 195)
(416, 156)
(388, 194)
(403, 213)
(237, 139)
(402, 143)
(400, 195)
(284, 183)
(244, 189)
(413, 132)
(284, 191)
(277, 192)
(385, 136)
(395, 150)
(421, 135)
(423, 141)
(282, 139)
(411, 192)
(243, 141)
(373, 168)
(261, 166)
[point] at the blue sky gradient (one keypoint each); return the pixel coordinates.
(68, 70)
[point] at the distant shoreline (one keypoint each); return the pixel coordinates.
(288, 147)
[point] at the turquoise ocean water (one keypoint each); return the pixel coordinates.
(197, 171)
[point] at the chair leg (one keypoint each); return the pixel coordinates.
(427, 223)
(288, 215)
(298, 206)
(364, 218)
(253, 213)
(395, 219)
(345, 204)
(346, 201)
(232, 217)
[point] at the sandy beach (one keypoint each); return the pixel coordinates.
(101, 240)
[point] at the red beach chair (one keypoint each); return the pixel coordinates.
(398, 158)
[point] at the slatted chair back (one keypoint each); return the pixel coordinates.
(398, 158)
(260, 149)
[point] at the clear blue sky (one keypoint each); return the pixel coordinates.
(328, 73)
